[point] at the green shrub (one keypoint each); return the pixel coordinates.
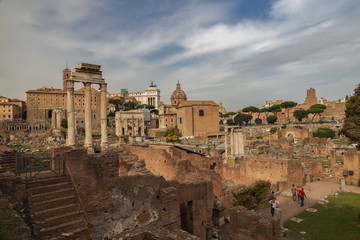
(259, 137)
(279, 134)
(251, 197)
(324, 133)
(299, 127)
(258, 121)
(273, 130)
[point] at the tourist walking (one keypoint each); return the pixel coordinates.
(272, 195)
(273, 204)
(293, 191)
(298, 189)
(302, 196)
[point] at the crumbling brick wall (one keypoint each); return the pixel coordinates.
(249, 223)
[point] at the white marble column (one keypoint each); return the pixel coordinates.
(58, 119)
(232, 142)
(241, 144)
(88, 127)
(103, 118)
(236, 143)
(226, 145)
(70, 141)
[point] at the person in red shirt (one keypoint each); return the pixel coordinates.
(302, 195)
(297, 193)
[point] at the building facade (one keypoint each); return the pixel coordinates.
(193, 118)
(11, 109)
(150, 96)
(42, 102)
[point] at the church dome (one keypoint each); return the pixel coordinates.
(178, 95)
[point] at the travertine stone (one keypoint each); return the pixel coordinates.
(71, 115)
(103, 118)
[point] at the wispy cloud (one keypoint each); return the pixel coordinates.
(216, 50)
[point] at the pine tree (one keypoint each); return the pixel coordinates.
(351, 128)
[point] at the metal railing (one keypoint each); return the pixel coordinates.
(35, 164)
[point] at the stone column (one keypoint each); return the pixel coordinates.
(88, 128)
(241, 144)
(103, 118)
(70, 141)
(226, 145)
(58, 119)
(53, 119)
(236, 143)
(232, 142)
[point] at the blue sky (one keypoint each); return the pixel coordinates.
(240, 52)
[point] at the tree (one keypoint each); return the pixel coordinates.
(230, 122)
(324, 133)
(242, 119)
(258, 121)
(251, 109)
(223, 116)
(351, 127)
(300, 114)
(116, 102)
(64, 123)
(271, 119)
(172, 134)
(316, 109)
(287, 105)
(274, 109)
(129, 106)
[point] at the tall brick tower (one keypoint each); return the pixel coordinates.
(310, 98)
(66, 76)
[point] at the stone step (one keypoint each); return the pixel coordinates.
(55, 210)
(59, 229)
(48, 188)
(80, 233)
(57, 219)
(59, 201)
(52, 193)
(47, 180)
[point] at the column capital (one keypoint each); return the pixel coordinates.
(103, 87)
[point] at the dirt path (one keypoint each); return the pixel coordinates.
(314, 191)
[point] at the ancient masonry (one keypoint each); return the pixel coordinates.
(87, 74)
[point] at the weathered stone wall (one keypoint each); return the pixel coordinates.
(244, 224)
(351, 163)
(157, 159)
(115, 204)
(282, 173)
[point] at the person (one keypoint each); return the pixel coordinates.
(272, 195)
(293, 191)
(302, 195)
(273, 204)
(297, 193)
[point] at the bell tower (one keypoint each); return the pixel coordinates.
(66, 76)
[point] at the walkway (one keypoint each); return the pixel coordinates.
(314, 191)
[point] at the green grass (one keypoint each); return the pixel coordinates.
(18, 147)
(340, 219)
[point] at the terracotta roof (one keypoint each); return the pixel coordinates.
(197, 103)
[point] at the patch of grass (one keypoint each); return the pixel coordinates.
(341, 142)
(18, 147)
(337, 220)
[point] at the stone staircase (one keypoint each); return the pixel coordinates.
(54, 210)
(7, 162)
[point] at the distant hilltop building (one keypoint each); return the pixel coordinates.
(310, 98)
(11, 109)
(193, 118)
(150, 96)
(41, 103)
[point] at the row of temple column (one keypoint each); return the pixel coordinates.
(236, 143)
(88, 126)
(26, 126)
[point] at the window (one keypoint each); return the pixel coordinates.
(180, 120)
(201, 112)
